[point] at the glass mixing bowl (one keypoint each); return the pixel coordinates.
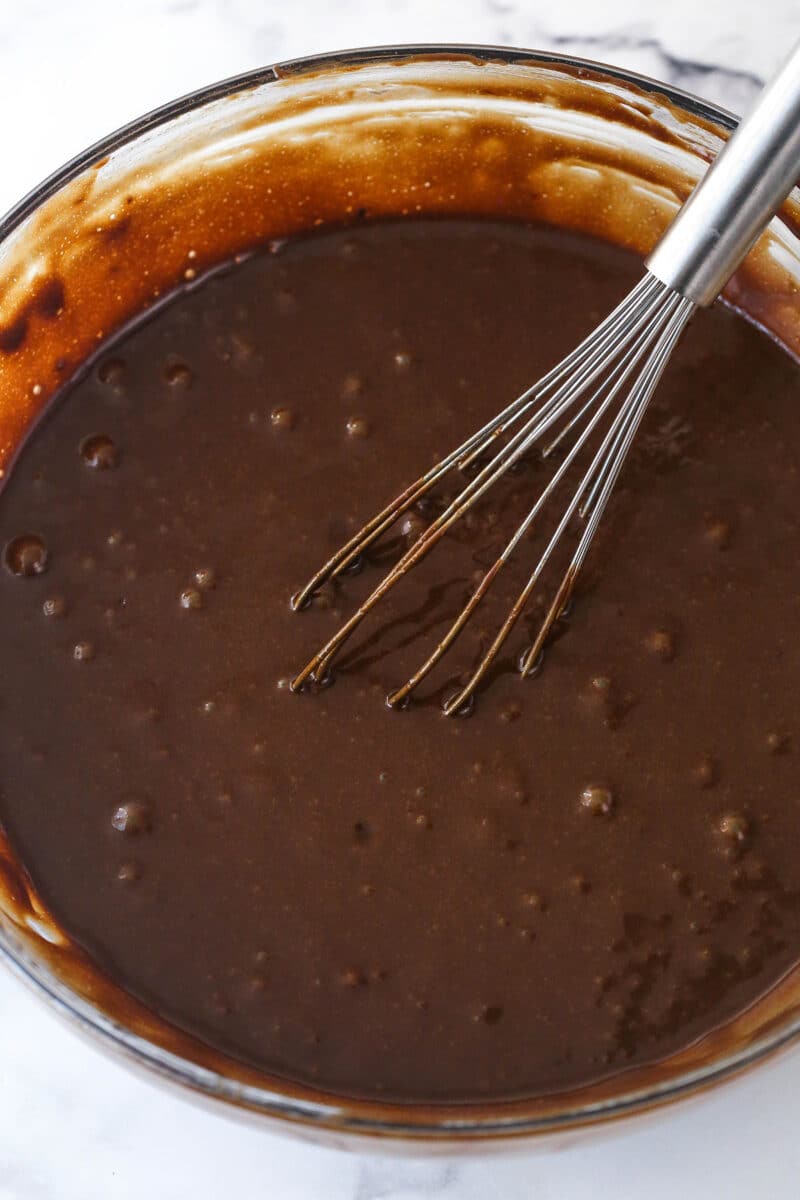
(370, 133)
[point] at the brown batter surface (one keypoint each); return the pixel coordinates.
(596, 868)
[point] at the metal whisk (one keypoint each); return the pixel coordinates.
(606, 382)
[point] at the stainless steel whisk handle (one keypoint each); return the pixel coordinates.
(733, 203)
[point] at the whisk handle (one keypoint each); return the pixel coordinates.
(746, 184)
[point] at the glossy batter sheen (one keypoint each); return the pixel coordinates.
(597, 867)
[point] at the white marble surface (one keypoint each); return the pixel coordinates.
(75, 1125)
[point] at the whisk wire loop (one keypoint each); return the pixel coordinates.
(638, 334)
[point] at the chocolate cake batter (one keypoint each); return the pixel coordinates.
(596, 868)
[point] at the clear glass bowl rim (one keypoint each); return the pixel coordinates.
(340, 1114)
